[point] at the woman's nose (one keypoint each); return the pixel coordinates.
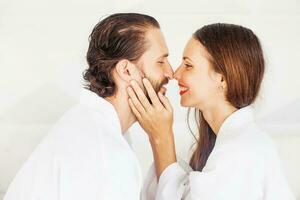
(177, 74)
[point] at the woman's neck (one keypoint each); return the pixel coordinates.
(217, 114)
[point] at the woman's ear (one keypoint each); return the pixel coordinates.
(222, 83)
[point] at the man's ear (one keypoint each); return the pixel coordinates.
(126, 70)
(122, 70)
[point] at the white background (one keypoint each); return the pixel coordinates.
(42, 55)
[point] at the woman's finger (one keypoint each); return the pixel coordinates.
(140, 95)
(137, 104)
(134, 110)
(165, 101)
(152, 94)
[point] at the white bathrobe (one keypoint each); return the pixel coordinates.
(244, 165)
(84, 157)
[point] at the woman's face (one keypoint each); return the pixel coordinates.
(200, 86)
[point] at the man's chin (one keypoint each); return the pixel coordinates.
(163, 90)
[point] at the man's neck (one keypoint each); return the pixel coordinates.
(120, 103)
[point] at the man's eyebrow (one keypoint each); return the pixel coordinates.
(164, 56)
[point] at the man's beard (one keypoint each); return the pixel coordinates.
(156, 85)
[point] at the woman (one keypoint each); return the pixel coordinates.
(220, 76)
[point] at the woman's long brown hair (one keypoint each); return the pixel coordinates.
(236, 53)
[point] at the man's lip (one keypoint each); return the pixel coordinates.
(163, 90)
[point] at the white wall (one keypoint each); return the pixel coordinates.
(42, 55)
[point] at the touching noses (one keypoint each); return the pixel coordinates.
(177, 74)
(168, 73)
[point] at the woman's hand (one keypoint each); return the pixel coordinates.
(157, 121)
(156, 118)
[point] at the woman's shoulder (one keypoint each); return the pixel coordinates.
(249, 144)
(257, 140)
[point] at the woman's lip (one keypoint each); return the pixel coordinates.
(182, 92)
(181, 85)
(183, 89)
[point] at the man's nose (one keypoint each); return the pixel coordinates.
(169, 72)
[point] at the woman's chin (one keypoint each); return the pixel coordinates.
(184, 103)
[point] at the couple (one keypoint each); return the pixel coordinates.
(86, 157)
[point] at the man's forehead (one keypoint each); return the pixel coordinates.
(156, 42)
(165, 55)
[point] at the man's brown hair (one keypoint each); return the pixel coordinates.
(119, 36)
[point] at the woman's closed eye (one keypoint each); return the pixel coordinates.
(187, 66)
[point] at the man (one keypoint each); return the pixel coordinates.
(85, 156)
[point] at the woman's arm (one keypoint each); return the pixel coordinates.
(157, 121)
(163, 153)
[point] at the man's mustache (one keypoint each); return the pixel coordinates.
(158, 87)
(164, 82)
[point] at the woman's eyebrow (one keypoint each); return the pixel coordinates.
(187, 58)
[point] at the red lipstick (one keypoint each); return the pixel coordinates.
(183, 89)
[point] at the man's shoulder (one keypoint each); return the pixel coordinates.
(81, 116)
(83, 121)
